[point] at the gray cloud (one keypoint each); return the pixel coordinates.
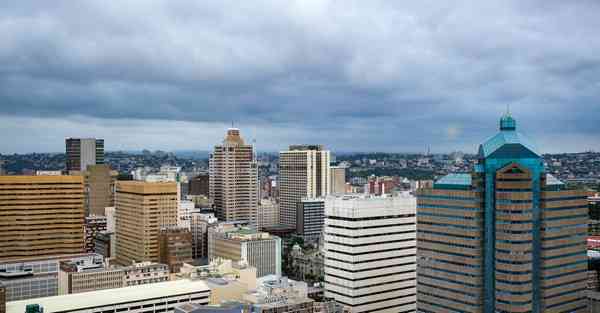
(355, 75)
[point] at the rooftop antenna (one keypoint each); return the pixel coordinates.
(508, 109)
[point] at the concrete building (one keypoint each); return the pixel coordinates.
(87, 275)
(258, 249)
(150, 298)
(234, 179)
(303, 173)
(142, 209)
(81, 152)
(40, 216)
(199, 225)
(184, 212)
(338, 179)
(505, 238)
(268, 214)
(93, 273)
(279, 294)
(310, 215)
(370, 252)
(175, 247)
(100, 182)
(34, 277)
(228, 307)
(93, 225)
(199, 185)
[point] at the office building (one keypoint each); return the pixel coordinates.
(87, 275)
(184, 212)
(507, 237)
(34, 277)
(145, 273)
(100, 182)
(199, 224)
(338, 179)
(142, 210)
(370, 252)
(310, 215)
(150, 298)
(93, 225)
(2, 299)
(228, 307)
(303, 173)
(257, 249)
(2, 170)
(268, 214)
(199, 185)
(175, 247)
(40, 216)
(233, 179)
(279, 294)
(81, 152)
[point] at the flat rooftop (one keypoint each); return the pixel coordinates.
(110, 296)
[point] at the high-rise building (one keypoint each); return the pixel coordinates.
(100, 182)
(257, 249)
(370, 252)
(233, 179)
(142, 209)
(175, 247)
(82, 152)
(199, 185)
(338, 179)
(507, 237)
(303, 173)
(40, 216)
(2, 171)
(310, 215)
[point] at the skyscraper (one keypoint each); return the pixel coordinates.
(40, 216)
(303, 173)
(82, 152)
(233, 181)
(505, 238)
(99, 188)
(142, 210)
(370, 252)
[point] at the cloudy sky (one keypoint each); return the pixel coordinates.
(353, 75)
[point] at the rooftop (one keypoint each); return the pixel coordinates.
(508, 143)
(110, 296)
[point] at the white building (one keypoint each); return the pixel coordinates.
(152, 298)
(370, 252)
(184, 212)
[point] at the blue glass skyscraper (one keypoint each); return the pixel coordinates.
(505, 238)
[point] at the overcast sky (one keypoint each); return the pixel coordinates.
(353, 75)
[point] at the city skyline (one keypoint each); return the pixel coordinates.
(395, 77)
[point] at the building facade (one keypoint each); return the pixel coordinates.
(41, 216)
(268, 214)
(370, 252)
(233, 181)
(142, 209)
(81, 152)
(303, 173)
(175, 247)
(93, 225)
(100, 182)
(310, 215)
(257, 249)
(506, 238)
(199, 185)
(199, 225)
(35, 277)
(338, 179)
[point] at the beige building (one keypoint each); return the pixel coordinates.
(87, 275)
(142, 209)
(40, 216)
(233, 182)
(303, 173)
(99, 188)
(257, 249)
(338, 179)
(268, 214)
